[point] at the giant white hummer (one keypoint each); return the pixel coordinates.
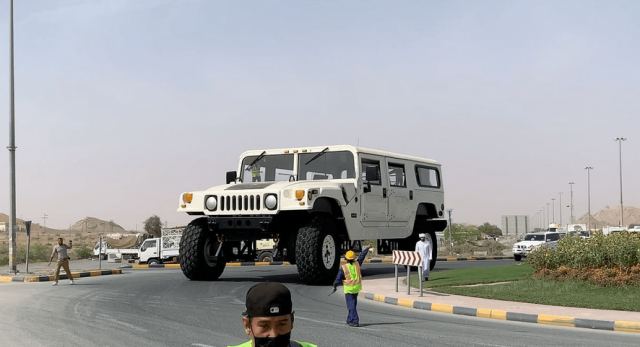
(315, 202)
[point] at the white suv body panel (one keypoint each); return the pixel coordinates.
(387, 212)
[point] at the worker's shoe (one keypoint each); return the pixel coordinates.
(54, 284)
(354, 325)
(72, 282)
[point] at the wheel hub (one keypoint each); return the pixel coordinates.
(328, 251)
(210, 248)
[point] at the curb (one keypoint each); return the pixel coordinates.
(286, 263)
(565, 321)
(390, 261)
(46, 278)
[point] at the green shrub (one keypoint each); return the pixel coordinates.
(620, 250)
(82, 252)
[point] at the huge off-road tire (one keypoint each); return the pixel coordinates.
(317, 252)
(198, 248)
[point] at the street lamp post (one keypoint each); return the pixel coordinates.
(548, 219)
(589, 168)
(12, 152)
(620, 139)
(553, 210)
(560, 207)
(571, 203)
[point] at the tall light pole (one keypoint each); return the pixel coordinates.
(589, 168)
(44, 222)
(620, 139)
(560, 207)
(571, 203)
(12, 152)
(548, 220)
(553, 210)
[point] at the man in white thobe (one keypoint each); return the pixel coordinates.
(423, 246)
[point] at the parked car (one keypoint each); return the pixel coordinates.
(532, 241)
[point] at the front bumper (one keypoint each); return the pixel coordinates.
(247, 223)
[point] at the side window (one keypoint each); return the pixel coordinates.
(150, 244)
(552, 237)
(428, 177)
(397, 176)
(365, 165)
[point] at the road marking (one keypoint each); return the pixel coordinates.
(112, 320)
(201, 345)
(331, 323)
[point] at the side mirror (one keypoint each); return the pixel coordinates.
(232, 176)
(143, 248)
(367, 187)
(372, 173)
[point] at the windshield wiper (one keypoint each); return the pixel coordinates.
(317, 156)
(257, 159)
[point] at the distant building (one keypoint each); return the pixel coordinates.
(515, 225)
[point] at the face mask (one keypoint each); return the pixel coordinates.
(278, 341)
(422, 239)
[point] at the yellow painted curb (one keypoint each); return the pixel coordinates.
(378, 297)
(5, 279)
(628, 326)
(549, 319)
(492, 314)
(171, 266)
(262, 263)
(138, 266)
(95, 273)
(442, 308)
(234, 264)
(405, 302)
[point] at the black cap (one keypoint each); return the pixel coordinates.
(268, 299)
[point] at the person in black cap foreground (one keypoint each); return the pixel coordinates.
(268, 319)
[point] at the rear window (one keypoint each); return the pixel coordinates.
(428, 176)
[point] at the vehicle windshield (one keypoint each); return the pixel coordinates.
(269, 168)
(326, 166)
(534, 238)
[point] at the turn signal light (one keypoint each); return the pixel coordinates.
(299, 194)
(187, 197)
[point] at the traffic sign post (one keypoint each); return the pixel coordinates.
(409, 259)
(27, 227)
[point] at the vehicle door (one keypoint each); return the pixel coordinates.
(373, 201)
(148, 250)
(399, 210)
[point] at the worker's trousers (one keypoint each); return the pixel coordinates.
(352, 302)
(64, 264)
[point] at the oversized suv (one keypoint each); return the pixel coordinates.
(315, 203)
(532, 241)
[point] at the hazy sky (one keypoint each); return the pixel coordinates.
(122, 105)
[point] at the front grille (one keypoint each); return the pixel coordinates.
(238, 203)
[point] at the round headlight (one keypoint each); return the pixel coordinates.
(211, 203)
(271, 202)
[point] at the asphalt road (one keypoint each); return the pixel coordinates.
(163, 308)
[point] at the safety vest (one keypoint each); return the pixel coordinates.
(352, 282)
(291, 344)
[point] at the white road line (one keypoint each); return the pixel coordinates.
(331, 323)
(201, 345)
(112, 320)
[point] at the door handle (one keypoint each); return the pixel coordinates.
(411, 195)
(384, 192)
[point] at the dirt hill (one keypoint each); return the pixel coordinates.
(610, 216)
(95, 225)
